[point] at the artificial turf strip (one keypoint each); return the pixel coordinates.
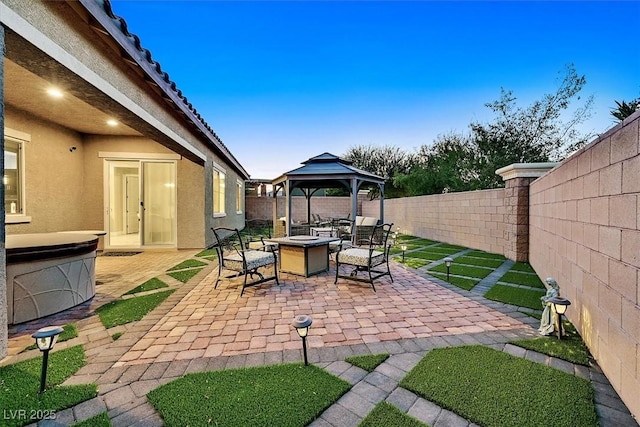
(464, 270)
(515, 296)
(20, 383)
(207, 253)
(120, 312)
(387, 415)
(571, 348)
(188, 263)
(522, 279)
(277, 395)
(184, 275)
(368, 362)
(100, 420)
(495, 389)
(149, 285)
(424, 255)
(483, 262)
(69, 331)
(522, 266)
(413, 262)
(488, 255)
(461, 282)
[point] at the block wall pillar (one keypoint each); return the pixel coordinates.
(518, 177)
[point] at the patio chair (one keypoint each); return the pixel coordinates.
(372, 259)
(232, 255)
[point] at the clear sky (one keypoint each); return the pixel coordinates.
(281, 82)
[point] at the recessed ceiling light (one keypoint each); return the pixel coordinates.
(55, 93)
(112, 122)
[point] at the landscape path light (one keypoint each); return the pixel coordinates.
(45, 340)
(404, 249)
(302, 323)
(559, 307)
(447, 262)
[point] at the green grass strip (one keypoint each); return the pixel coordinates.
(424, 255)
(522, 279)
(522, 266)
(387, 415)
(495, 389)
(188, 263)
(461, 282)
(571, 348)
(207, 253)
(464, 270)
(100, 420)
(276, 395)
(368, 362)
(130, 310)
(484, 262)
(69, 331)
(488, 255)
(447, 246)
(413, 262)
(515, 296)
(184, 275)
(149, 285)
(20, 384)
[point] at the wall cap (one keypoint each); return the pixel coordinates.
(525, 170)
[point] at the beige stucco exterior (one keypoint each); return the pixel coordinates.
(104, 73)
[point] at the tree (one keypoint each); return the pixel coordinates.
(533, 134)
(624, 109)
(445, 166)
(385, 161)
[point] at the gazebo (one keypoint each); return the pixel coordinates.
(326, 171)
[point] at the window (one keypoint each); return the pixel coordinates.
(218, 191)
(239, 196)
(13, 179)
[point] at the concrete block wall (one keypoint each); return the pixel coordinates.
(584, 231)
(474, 219)
(325, 206)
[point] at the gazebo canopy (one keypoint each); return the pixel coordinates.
(327, 171)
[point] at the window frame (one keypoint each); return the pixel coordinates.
(20, 138)
(239, 196)
(216, 192)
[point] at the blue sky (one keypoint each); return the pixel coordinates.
(281, 82)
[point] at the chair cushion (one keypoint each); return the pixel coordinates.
(360, 257)
(369, 221)
(254, 259)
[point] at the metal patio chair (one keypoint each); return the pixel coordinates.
(373, 258)
(234, 256)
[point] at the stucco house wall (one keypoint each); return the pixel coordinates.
(585, 232)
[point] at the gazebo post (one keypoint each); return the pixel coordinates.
(381, 188)
(354, 206)
(287, 212)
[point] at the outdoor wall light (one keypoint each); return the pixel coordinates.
(447, 262)
(560, 307)
(45, 340)
(404, 249)
(302, 323)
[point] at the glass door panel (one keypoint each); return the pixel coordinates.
(159, 203)
(124, 203)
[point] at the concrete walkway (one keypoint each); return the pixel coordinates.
(198, 328)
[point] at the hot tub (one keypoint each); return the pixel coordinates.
(48, 273)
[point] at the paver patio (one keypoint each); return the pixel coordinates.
(198, 328)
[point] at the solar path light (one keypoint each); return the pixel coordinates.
(404, 249)
(559, 307)
(302, 323)
(45, 340)
(447, 262)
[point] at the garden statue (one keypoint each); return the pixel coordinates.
(547, 322)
